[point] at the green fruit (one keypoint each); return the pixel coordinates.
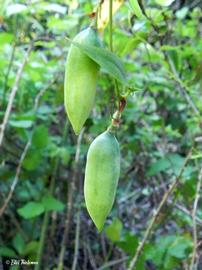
(101, 177)
(80, 80)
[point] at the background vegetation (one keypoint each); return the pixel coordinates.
(42, 210)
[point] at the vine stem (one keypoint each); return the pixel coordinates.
(157, 212)
(110, 24)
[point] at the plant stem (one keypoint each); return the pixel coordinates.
(47, 214)
(110, 24)
(70, 195)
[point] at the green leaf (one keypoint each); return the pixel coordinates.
(53, 8)
(136, 8)
(164, 2)
(170, 161)
(64, 155)
(6, 38)
(31, 248)
(19, 243)
(40, 137)
(158, 166)
(15, 8)
(180, 247)
(21, 123)
(50, 203)
(181, 14)
(157, 252)
(113, 231)
(31, 210)
(129, 243)
(7, 252)
(106, 59)
(32, 160)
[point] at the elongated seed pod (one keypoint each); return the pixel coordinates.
(101, 177)
(80, 80)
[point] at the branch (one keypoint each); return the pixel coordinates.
(24, 153)
(193, 264)
(69, 203)
(112, 263)
(156, 214)
(76, 253)
(13, 93)
(183, 89)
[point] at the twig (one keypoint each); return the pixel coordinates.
(156, 214)
(15, 181)
(112, 263)
(193, 264)
(91, 257)
(24, 153)
(183, 89)
(8, 72)
(77, 239)
(185, 211)
(13, 93)
(69, 204)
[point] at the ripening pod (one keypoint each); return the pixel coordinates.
(80, 80)
(101, 177)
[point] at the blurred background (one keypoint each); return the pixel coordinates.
(43, 217)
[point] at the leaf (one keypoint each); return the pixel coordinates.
(113, 231)
(180, 247)
(164, 2)
(182, 13)
(158, 166)
(129, 243)
(14, 9)
(32, 160)
(21, 123)
(54, 8)
(31, 248)
(7, 252)
(50, 203)
(19, 243)
(170, 161)
(106, 59)
(6, 38)
(40, 137)
(31, 210)
(136, 8)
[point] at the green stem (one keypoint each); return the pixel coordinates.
(117, 92)
(42, 241)
(47, 214)
(110, 24)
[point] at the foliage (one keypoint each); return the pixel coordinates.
(158, 45)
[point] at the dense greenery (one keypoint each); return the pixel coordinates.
(42, 162)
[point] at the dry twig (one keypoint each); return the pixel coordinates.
(24, 153)
(13, 93)
(156, 214)
(194, 263)
(69, 203)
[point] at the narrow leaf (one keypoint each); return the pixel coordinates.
(107, 60)
(164, 2)
(136, 8)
